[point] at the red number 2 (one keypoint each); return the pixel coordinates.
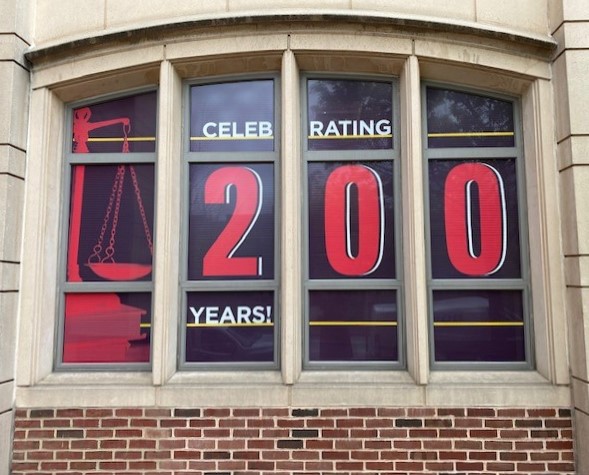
(219, 259)
(338, 223)
(458, 219)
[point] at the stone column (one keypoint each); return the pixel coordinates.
(15, 37)
(569, 21)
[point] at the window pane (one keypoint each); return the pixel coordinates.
(231, 227)
(349, 114)
(474, 219)
(479, 325)
(351, 220)
(353, 325)
(107, 328)
(118, 126)
(458, 119)
(111, 223)
(232, 117)
(230, 327)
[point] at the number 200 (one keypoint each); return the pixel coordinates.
(220, 259)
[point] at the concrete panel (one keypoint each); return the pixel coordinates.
(574, 10)
(8, 313)
(12, 48)
(555, 14)
(13, 104)
(66, 19)
(9, 274)
(11, 209)
(577, 65)
(581, 394)
(16, 18)
(577, 271)
(573, 151)
(6, 396)
(300, 6)
(528, 15)
(575, 219)
(572, 35)
(463, 10)
(578, 319)
(6, 420)
(12, 161)
(125, 12)
(582, 442)
(561, 99)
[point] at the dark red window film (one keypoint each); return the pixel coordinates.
(474, 220)
(107, 328)
(231, 226)
(120, 125)
(349, 114)
(111, 223)
(460, 119)
(479, 326)
(235, 327)
(351, 220)
(232, 117)
(353, 325)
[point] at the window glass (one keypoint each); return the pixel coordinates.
(230, 284)
(352, 286)
(478, 289)
(106, 316)
(459, 119)
(232, 116)
(121, 125)
(349, 115)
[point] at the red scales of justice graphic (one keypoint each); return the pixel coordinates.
(99, 328)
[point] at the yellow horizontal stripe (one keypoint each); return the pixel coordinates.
(471, 134)
(327, 137)
(121, 139)
(478, 324)
(271, 137)
(197, 325)
(324, 323)
(145, 325)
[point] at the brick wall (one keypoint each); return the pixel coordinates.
(285, 440)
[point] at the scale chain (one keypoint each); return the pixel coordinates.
(141, 208)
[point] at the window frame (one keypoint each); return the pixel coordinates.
(393, 155)
(70, 161)
(193, 286)
(469, 283)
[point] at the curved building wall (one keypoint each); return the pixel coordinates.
(296, 412)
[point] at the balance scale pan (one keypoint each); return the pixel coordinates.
(120, 271)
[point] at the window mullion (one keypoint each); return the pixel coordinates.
(167, 226)
(291, 307)
(414, 257)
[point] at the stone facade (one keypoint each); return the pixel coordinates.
(413, 421)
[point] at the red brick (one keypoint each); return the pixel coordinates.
(173, 465)
(437, 444)
(129, 412)
(439, 466)
(469, 444)
(362, 412)
(84, 444)
(531, 467)
(54, 465)
(158, 413)
(113, 465)
(275, 412)
(98, 455)
(453, 455)
(128, 455)
(394, 455)
(511, 413)
(322, 423)
(321, 444)
(211, 412)
(142, 465)
(308, 455)
(499, 466)
(260, 465)
(142, 444)
(407, 444)
(69, 455)
(158, 454)
(203, 423)
(246, 412)
(499, 423)
(480, 412)
(231, 444)
(171, 444)
(113, 444)
(409, 466)
(364, 455)
(513, 456)
(83, 465)
(542, 412)
(379, 466)
(561, 467)
(144, 423)
(291, 465)
(378, 444)
(99, 413)
(40, 455)
(56, 444)
(469, 466)
(392, 412)
(349, 466)
(498, 445)
(477, 455)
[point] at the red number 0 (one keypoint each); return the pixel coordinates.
(219, 259)
(338, 220)
(458, 219)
